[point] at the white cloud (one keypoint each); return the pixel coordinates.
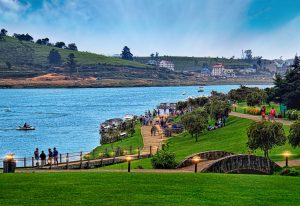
(12, 9)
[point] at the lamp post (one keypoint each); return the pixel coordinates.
(195, 160)
(9, 164)
(286, 155)
(128, 159)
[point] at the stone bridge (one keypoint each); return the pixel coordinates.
(208, 155)
(246, 164)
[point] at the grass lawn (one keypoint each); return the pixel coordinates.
(135, 141)
(147, 189)
(241, 106)
(232, 138)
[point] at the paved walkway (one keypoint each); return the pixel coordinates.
(258, 118)
(154, 141)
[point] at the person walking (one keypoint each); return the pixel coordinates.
(43, 158)
(36, 156)
(263, 112)
(55, 156)
(50, 156)
(272, 114)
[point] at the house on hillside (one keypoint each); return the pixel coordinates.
(229, 73)
(217, 70)
(167, 64)
(205, 72)
(152, 62)
(272, 68)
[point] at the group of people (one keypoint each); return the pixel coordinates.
(42, 157)
(263, 113)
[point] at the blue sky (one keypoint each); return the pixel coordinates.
(271, 28)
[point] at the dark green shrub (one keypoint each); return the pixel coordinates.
(289, 172)
(293, 114)
(164, 159)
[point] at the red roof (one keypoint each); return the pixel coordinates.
(218, 66)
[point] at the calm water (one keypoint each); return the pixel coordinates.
(69, 118)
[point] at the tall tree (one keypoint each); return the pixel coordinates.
(126, 54)
(72, 46)
(54, 57)
(71, 63)
(265, 136)
(248, 54)
(60, 44)
(287, 88)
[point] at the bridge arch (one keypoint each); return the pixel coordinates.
(207, 155)
(244, 164)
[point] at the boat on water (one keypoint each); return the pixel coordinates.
(200, 90)
(184, 93)
(25, 128)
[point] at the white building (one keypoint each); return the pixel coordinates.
(217, 70)
(228, 73)
(166, 64)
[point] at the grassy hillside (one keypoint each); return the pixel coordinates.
(23, 52)
(231, 138)
(147, 189)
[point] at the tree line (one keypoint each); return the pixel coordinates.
(44, 41)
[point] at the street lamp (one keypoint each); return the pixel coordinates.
(286, 154)
(195, 160)
(128, 159)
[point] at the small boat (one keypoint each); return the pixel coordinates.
(184, 93)
(200, 90)
(25, 128)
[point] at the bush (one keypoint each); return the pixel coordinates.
(164, 159)
(293, 114)
(253, 111)
(289, 172)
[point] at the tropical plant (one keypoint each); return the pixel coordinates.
(265, 136)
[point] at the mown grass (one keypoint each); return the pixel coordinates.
(232, 138)
(13, 50)
(136, 141)
(147, 189)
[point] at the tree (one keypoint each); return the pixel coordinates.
(256, 98)
(72, 46)
(8, 64)
(248, 54)
(45, 41)
(60, 44)
(217, 108)
(54, 57)
(287, 88)
(71, 63)
(126, 54)
(23, 37)
(294, 134)
(39, 41)
(195, 122)
(152, 55)
(3, 32)
(265, 136)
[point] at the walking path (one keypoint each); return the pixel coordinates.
(258, 118)
(154, 141)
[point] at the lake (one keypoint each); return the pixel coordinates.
(69, 118)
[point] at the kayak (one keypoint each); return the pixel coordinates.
(25, 128)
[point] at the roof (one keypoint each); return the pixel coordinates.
(218, 66)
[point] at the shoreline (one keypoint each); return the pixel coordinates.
(15, 84)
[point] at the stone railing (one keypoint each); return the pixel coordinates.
(208, 155)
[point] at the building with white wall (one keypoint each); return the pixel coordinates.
(167, 64)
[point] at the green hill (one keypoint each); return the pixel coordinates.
(22, 52)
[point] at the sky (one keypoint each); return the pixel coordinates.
(223, 28)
